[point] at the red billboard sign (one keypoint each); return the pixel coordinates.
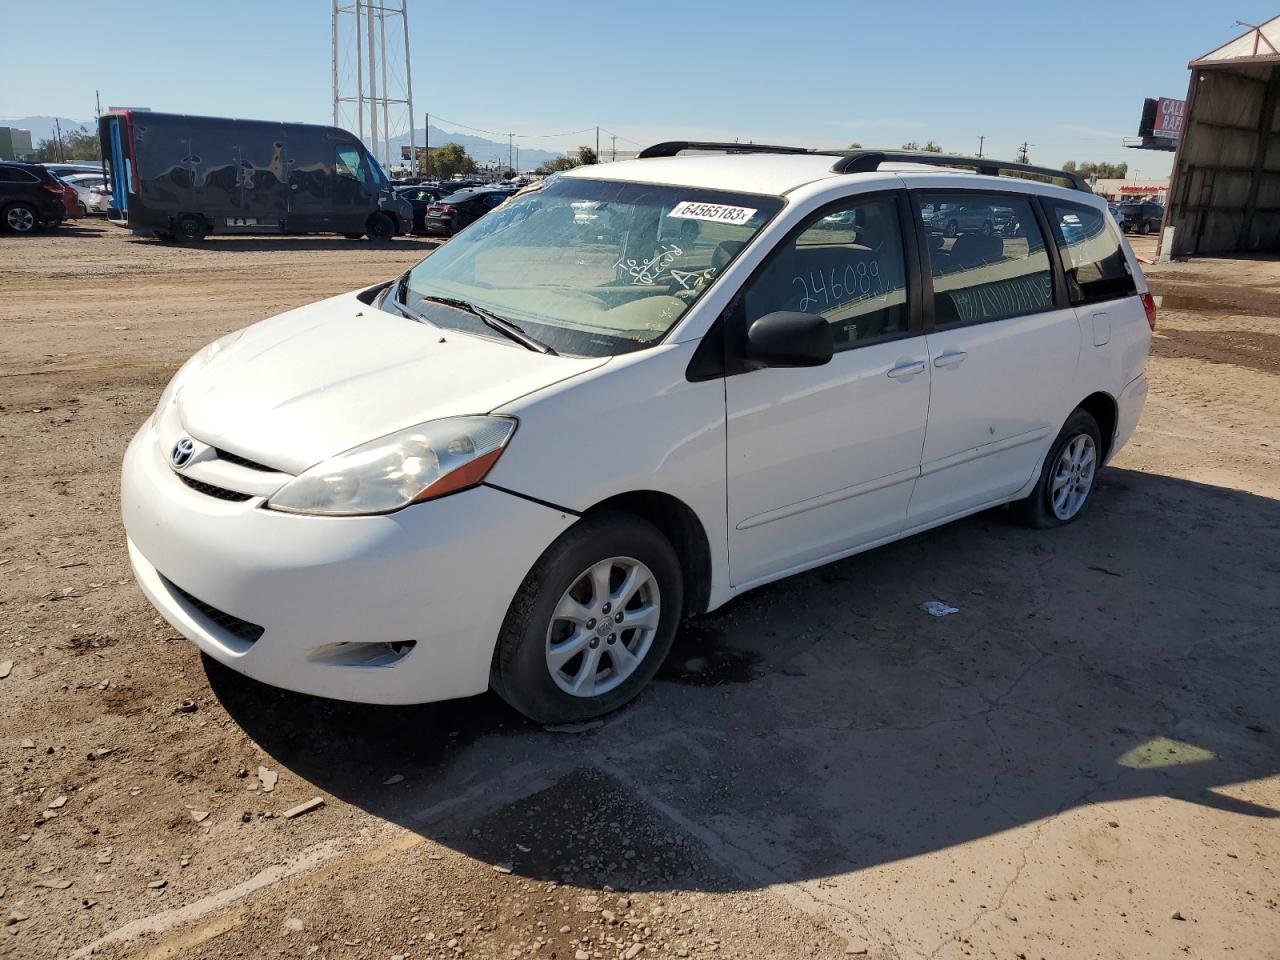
(1168, 118)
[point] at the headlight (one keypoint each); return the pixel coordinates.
(416, 464)
(197, 362)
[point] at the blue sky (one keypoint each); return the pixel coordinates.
(1068, 79)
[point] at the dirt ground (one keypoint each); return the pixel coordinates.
(1084, 762)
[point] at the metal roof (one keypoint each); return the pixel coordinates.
(1258, 44)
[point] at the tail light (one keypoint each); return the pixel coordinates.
(1149, 305)
(446, 208)
(54, 188)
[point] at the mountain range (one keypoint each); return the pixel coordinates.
(480, 149)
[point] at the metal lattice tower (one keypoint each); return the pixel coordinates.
(360, 47)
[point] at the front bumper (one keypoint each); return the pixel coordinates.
(339, 600)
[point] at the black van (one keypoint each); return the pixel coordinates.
(185, 177)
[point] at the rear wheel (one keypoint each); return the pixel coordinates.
(190, 228)
(1145, 227)
(592, 621)
(953, 229)
(380, 228)
(20, 218)
(988, 228)
(1067, 477)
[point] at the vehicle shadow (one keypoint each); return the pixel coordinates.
(827, 724)
(236, 244)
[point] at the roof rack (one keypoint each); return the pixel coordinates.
(669, 148)
(863, 161)
(866, 161)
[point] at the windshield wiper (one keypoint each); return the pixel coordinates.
(504, 326)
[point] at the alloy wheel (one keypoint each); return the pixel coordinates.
(1073, 476)
(603, 627)
(20, 219)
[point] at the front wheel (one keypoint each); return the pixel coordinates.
(591, 623)
(380, 228)
(1067, 477)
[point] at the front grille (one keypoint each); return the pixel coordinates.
(243, 461)
(209, 490)
(242, 630)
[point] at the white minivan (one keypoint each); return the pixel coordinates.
(522, 463)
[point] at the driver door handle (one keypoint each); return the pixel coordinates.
(908, 369)
(952, 358)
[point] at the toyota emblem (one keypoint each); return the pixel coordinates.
(181, 453)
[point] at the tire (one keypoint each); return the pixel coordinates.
(988, 228)
(952, 230)
(1145, 227)
(380, 228)
(20, 218)
(561, 582)
(190, 229)
(1073, 462)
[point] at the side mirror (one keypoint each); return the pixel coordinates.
(788, 339)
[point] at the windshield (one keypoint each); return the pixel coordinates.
(590, 267)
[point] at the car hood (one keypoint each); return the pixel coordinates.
(311, 383)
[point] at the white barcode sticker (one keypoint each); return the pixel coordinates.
(715, 212)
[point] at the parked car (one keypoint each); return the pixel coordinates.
(31, 198)
(83, 184)
(184, 177)
(1143, 217)
(521, 464)
(64, 170)
(953, 219)
(1117, 214)
(99, 199)
(450, 214)
(421, 196)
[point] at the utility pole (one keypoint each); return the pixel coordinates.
(615, 145)
(981, 141)
(1022, 152)
(386, 118)
(57, 129)
(516, 168)
(511, 139)
(597, 143)
(426, 142)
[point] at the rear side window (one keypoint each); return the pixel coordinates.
(847, 266)
(1096, 266)
(987, 257)
(14, 175)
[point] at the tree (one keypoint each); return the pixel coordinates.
(558, 163)
(78, 144)
(855, 146)
(450, 159)
(911, 145)
(586, 156)
(931, 147)
(1102, 170)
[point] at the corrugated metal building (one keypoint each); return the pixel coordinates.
(1225, 191)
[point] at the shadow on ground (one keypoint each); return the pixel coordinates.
(826, 724)
(241, 244)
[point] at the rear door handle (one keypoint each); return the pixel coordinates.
(908, 369)
(952, 358)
